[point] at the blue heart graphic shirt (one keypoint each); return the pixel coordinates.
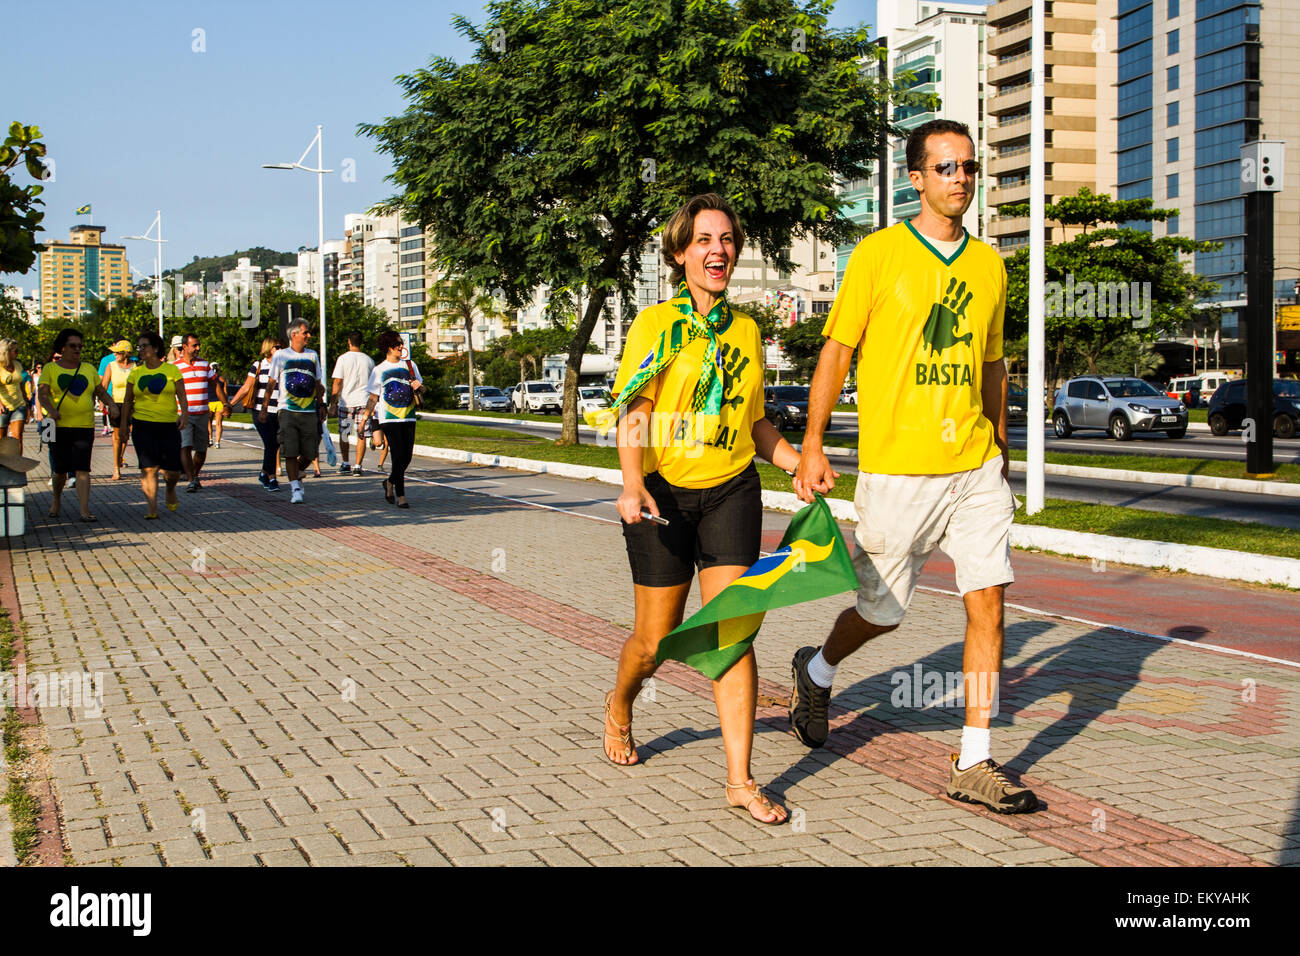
(153, 393)
(297, 375)
(395, 385)
(75, 388)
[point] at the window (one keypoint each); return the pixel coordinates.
(1095, 392)
(1171, 42)
(1171, 78)
(1171, 226)
(1171, 186)
(1171, 11)
(1171, 114)
(1171, 150)
(1077, 390)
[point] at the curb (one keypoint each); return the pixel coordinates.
(1169, 479)
(1194, 559)
(1163, 479)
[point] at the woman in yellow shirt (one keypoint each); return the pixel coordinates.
(13, 400)
(154, 418)
(115, 382)
(67, 391)
(691, 381)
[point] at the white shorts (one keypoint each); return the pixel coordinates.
(903, 518)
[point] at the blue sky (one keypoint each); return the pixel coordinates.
(137, 120)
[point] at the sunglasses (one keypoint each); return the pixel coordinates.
(949, 168)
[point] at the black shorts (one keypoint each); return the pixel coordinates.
(157, 444)
(707, 527)
(71, 449)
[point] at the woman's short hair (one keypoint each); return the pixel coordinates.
(270, 344)
(155, 342)
(389, 339)
(61, 340)
(680, 230)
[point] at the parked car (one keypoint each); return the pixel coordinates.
(849, 395)
(461, 394)
(491, 399)
(786, 406)
(1017, 402)
(1228, 407)
(536, 396)
(592, 398)
(1119, 405)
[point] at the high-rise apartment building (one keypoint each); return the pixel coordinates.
(1198, 78)
(79, 270)
(1079, 92)
(941, 47)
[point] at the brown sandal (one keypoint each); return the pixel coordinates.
(624, 736)
(755, 794)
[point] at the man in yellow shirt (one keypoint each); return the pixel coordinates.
(924, 303)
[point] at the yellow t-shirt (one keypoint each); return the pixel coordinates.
(926, 324)
(153, 392)
(78, 408)
(11, 387)
(728, 446)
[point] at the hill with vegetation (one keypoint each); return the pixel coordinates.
(212, 266)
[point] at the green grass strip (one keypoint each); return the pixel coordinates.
(23, 807)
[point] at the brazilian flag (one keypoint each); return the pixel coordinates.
(813, 562)
(83, 210)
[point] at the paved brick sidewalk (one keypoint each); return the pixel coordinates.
(345, 683)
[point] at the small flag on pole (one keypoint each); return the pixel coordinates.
(1216, 340)
(83, 210)
(813, 562)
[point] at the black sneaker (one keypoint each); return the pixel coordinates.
(808, 702)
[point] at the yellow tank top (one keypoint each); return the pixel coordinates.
(118, 376)
(11, 387)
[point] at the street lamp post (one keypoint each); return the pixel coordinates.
(320, 171)
(157, 275)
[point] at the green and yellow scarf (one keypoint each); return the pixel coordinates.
(691, 326)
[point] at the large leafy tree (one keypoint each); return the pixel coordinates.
(581, 125)
(1085, 337)
(20, 219)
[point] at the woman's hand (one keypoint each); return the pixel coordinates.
(633, 501)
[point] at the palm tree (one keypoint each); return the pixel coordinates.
(456, 301)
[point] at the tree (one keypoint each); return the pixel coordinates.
(558, 152)
(457, 301)
(1109, 288)
(802, 344)
(20, 220)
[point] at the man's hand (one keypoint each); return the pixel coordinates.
(814, 475)
(261, 416)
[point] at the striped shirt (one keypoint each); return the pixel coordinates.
(262, 369)
(197, 376)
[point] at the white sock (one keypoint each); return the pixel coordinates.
(295, 486)
(974, 746)
(821, 673)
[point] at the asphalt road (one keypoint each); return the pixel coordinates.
(1234, 506)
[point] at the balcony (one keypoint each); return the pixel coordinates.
(1001, 195)
(1008, 161)
(1008, 69)
(1007, 226)
(1009, 37)
(1009, 99)
(1007, 10)
(1006, 132)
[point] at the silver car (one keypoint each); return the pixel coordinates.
(1118, 405)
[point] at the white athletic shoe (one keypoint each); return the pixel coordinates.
(296, 497)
